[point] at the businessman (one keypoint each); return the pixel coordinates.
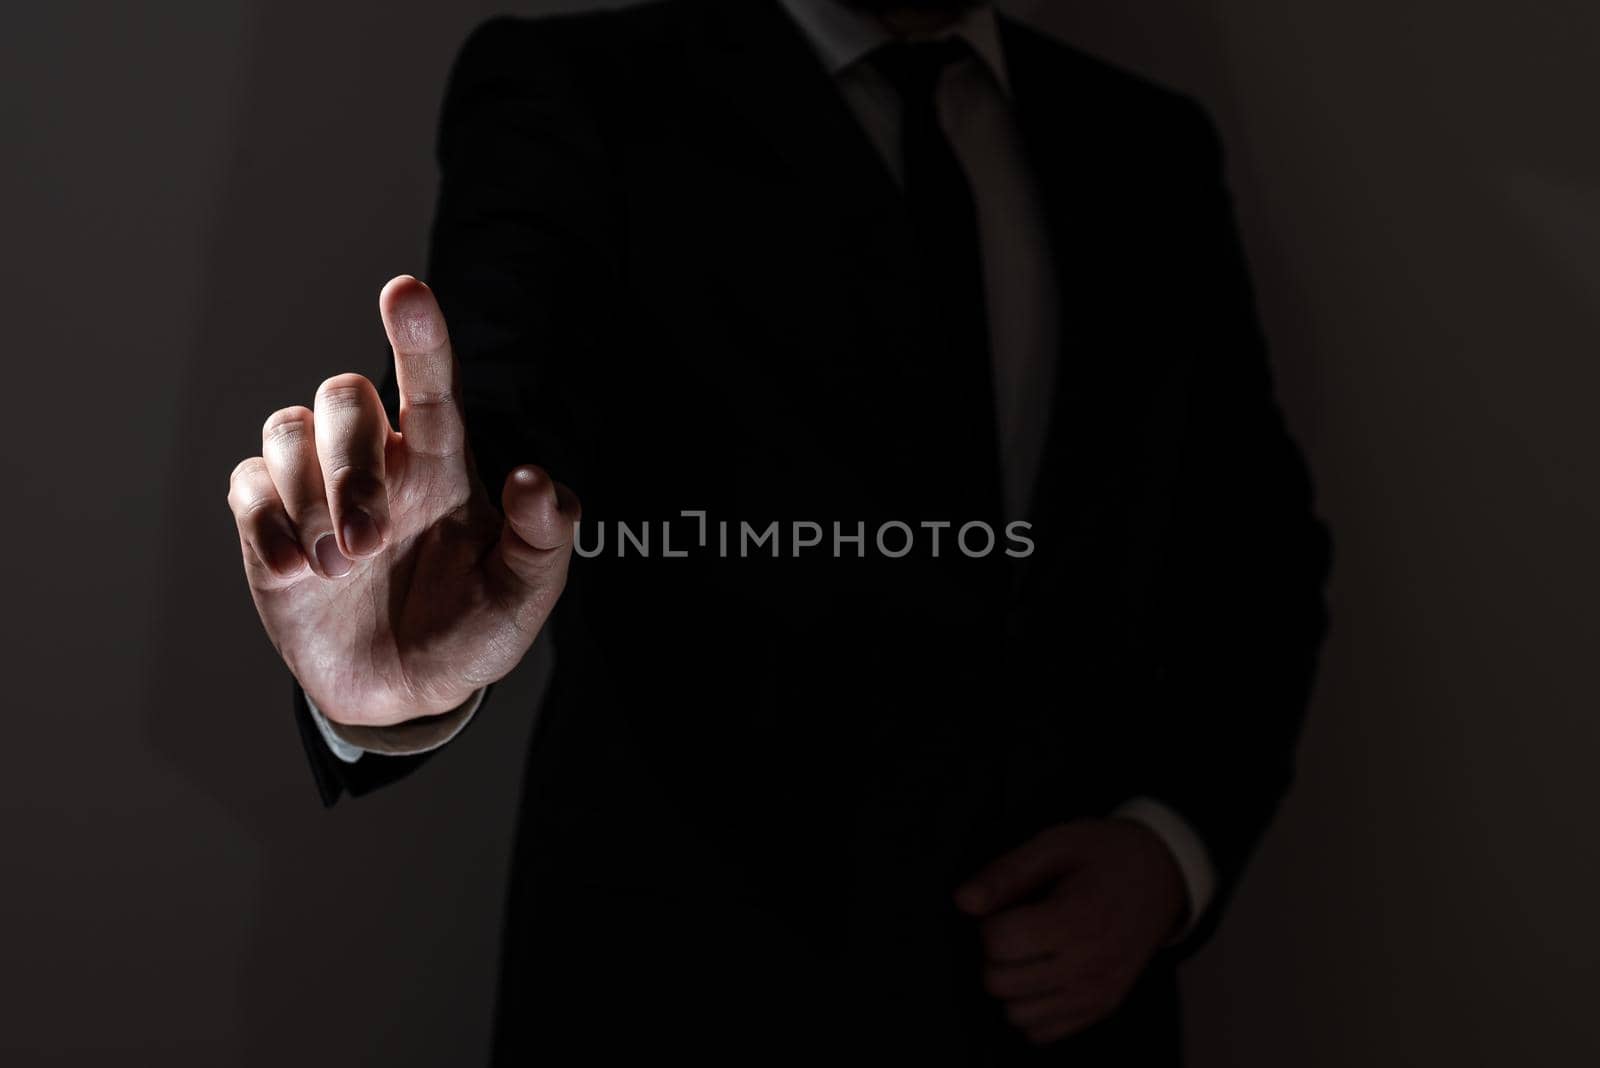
(932, 648)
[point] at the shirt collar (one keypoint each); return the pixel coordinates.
(842, 36)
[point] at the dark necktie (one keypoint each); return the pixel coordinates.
(953, 385)
(927, 825)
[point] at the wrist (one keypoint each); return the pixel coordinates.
(387, 710)
(406, 738)
(1162, 880)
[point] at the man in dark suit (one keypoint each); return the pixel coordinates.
(949, 592)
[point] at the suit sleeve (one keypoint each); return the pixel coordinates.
(1241, 612)
(521, 258)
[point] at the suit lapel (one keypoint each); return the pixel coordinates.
(1063, 137)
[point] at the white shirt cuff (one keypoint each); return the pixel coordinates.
(1193, 858)
(402, 739)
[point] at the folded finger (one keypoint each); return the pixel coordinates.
(351, 433)
(265, 533)
(1051, 1018)
(289, 449)
(1018, 935)
(1032, 979)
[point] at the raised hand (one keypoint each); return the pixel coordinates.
(384, 575)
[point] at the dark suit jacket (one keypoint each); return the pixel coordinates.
(678, 276)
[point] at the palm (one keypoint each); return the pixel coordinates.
(390, 634)
(446, 595)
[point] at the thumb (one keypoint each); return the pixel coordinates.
(1033, 866)
(536, 542)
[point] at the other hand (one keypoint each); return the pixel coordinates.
(1070, 919)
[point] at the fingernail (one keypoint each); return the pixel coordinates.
(361, 534)
(334, 564)
(283, 556)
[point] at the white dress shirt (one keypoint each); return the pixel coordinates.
(1019, 291)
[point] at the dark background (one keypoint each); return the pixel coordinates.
(200, 201)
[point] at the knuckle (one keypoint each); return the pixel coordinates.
(243, 470)
(351, 480)
(424, 398)
(254, 512)
(244, 482)
(346, 382)
(343, 392)
(285, 426)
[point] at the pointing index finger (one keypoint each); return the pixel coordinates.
(425, 368)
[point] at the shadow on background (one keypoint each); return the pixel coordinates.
(368, 934)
